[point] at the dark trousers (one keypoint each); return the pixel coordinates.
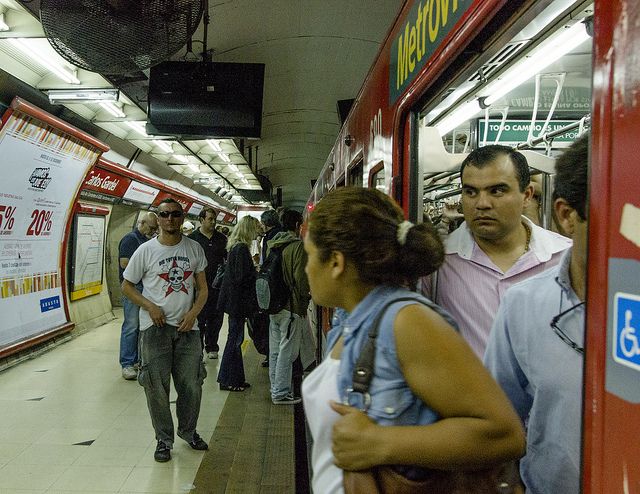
(231, 367)
(210, 322)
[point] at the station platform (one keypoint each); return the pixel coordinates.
(69, 423)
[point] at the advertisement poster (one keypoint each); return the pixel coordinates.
(88, 253)
(41, 169)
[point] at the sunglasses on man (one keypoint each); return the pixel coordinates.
(173, 214)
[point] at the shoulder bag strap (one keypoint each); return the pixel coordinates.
(363, 370)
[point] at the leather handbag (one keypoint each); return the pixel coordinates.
(404, 479)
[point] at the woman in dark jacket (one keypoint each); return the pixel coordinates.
(238, 299)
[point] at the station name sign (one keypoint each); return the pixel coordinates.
(427, 24)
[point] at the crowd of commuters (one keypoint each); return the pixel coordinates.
(497, 287)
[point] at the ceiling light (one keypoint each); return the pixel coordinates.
(57, 96)
(63, 73)
(194, 168)
(112, 108)
(137, 126)
(3, 25)
(224, 157)
(551, 49)
(182, 159)
(165, 146)
(214, 144)
(233, 168)
(458, 116)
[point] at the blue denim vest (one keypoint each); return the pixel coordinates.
(392, 401)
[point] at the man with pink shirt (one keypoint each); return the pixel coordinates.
(495, 247)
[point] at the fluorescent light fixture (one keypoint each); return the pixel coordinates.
(63, 73)
(194, 168)
(551, 49)
(182, 159)
(139, 127)
(224, 157)
(233, 168)
(164, 145)
(3, 25)
(458, 116)
(215, 145)
(112, 108)
(57, 96)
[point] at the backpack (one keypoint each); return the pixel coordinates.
(272, 292)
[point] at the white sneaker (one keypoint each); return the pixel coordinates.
(129, 373)
(212, 355)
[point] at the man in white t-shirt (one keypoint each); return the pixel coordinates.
(171, 268)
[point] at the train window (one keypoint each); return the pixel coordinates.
(533, 93)
(377, 177)
(354, 174)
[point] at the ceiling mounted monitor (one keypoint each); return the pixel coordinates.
(196, 100)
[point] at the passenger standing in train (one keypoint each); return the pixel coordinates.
(495, 247)
(214, 244)
(287, 326)
(536, 348)
(361, 257)
(238, 299)
(172, 270)
(147, 226)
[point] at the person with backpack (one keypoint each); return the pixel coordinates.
(283, 275)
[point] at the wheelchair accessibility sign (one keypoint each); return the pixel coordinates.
(626, 330)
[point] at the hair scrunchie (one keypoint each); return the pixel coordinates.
(402, 231)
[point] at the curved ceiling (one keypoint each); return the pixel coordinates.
(315, 52)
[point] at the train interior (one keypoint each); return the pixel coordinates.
(531, 90)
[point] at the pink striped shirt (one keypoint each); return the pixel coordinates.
(469, 285)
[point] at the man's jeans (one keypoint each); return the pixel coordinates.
(165, 352)
(284, 346)
(130, 332)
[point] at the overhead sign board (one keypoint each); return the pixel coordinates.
(517, 131)
(139, 192)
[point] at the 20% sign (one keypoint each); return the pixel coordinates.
(41, 223)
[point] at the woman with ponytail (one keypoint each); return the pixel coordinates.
(429, 404)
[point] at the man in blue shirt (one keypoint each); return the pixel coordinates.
(536, 347)
(147, 226)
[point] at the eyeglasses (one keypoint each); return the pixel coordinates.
(173, 214)
(561, 334)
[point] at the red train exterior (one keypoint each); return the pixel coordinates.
(378, 135)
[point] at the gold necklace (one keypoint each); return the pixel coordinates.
(528, 230)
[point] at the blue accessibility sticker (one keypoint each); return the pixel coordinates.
(626, 330)
(51, 303)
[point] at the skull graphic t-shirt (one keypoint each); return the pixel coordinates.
(168, 274)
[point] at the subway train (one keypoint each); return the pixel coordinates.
(455, 75)
(450, 76)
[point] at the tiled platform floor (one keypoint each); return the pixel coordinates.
(69, 423)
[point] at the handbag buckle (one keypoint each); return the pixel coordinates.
(357, 399)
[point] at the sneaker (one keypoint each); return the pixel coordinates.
(163, 452)
(212, 355)
(287, 400)
(198, 443)
(129, 373)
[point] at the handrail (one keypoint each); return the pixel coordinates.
(584, 121)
